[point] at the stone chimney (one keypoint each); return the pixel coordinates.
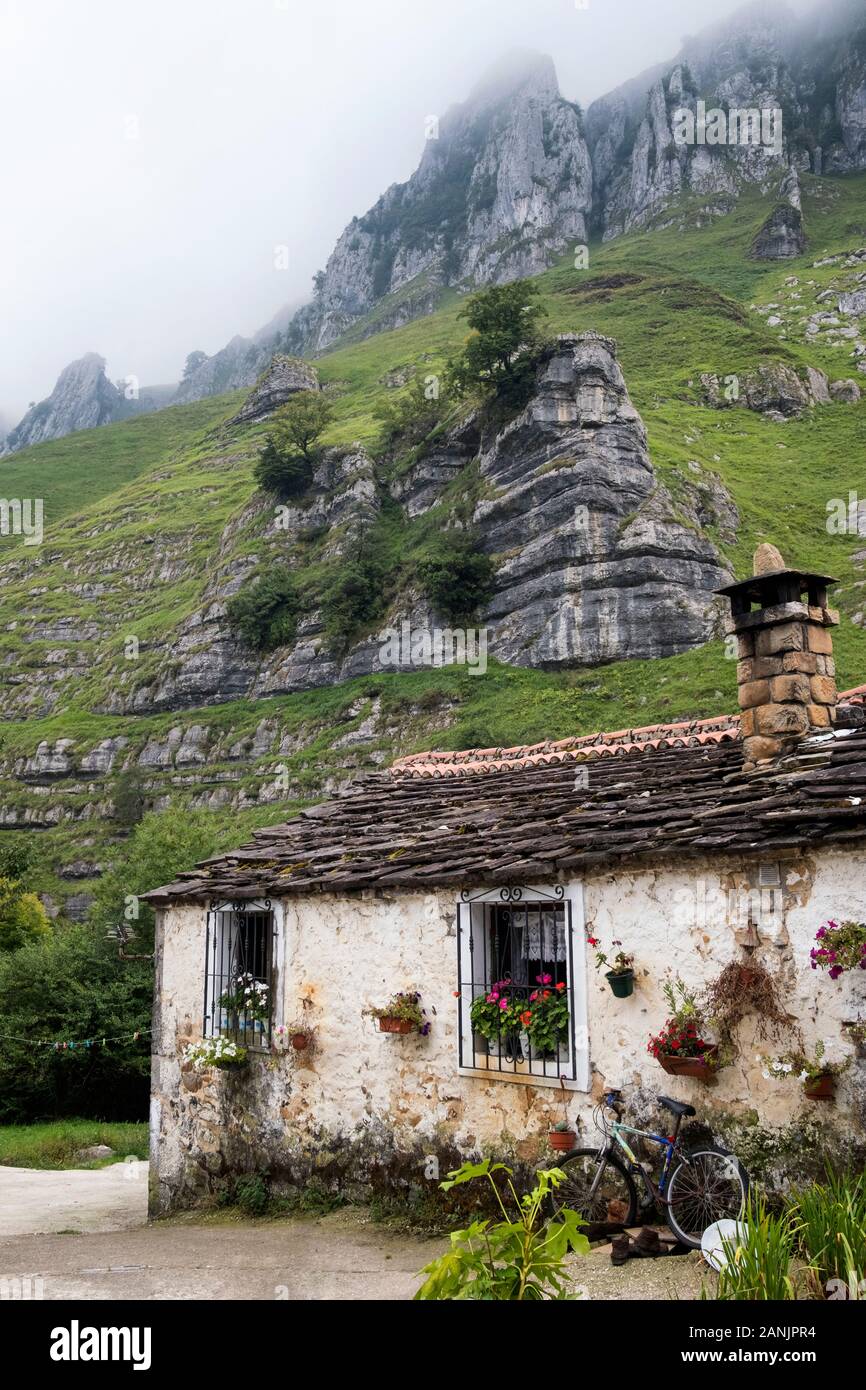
(785, 671)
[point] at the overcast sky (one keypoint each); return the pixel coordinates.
(155, 154)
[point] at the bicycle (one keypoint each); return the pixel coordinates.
(708, 1184)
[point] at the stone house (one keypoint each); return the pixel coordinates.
(694, 844)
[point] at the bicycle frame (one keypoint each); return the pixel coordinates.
(670, 1144)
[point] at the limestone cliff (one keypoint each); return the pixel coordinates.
(504, 184)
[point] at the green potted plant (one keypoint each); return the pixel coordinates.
(402, 1014)
(679, 1047)
(546, 1016)
(562, 1137)
(620, 972)
(494, 1015)
(246, 1004)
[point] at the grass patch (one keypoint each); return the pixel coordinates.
(55, 1143)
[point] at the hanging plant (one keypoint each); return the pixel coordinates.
(402, 1014)
(216, 1052)
(562, 1137)
(743, 988)
(841, 946)
(679, 1047)
(620, 971)
(817, 1074)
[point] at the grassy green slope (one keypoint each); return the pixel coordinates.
(679, 302)
(74, 472)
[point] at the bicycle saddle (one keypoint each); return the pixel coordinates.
(676, 1106)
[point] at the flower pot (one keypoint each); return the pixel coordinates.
(480, 1045)
(395, 1025)
(562, 1140)
(820, 1087)
(621, 982)
(699, 1067)
(300, 1041)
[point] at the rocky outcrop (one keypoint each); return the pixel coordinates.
(503, 186)
(596, 563)
(773, 389)
(82, 398)
(782, 236)
(237, 364)
(282, 377)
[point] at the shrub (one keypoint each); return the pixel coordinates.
(72, 987)
(353, 598)
(286, 475)
(411, 415)
(252, 1195)
(520, 1258)
(264, 613)
(456, 576)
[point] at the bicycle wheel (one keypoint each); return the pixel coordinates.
(709, 1185)
(614, 1198)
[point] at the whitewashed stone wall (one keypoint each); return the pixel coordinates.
(369, 1107)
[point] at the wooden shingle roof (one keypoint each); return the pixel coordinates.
(508, 816)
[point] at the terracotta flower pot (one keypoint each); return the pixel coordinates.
(621, 982)
(820, 1087)
(395, 1025)
(562, 1139)
(699, 1067)
(300, 1041)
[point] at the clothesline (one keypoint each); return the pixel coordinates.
(81, 1043)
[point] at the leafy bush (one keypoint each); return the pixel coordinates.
(456, 576)
(265, 612)
(413, 414)
(22, 916)
(520, 1258)
(286, 475)
(353, 598)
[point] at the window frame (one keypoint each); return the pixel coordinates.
(215, 981)
(572, 1073)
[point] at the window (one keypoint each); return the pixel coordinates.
(238, 1002)
(521, 985)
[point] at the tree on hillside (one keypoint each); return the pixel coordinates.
(500, 352)
(22, 916)
(193, 362)
(162, 845)
(286, 463)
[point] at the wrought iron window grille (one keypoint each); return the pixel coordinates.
(517, 945)
(239, 955)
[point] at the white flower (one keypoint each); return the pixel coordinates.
(765, 1074)
(804, 1076)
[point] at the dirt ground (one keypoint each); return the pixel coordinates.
(84, 1233)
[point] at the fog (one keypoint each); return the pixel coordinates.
(155, 155)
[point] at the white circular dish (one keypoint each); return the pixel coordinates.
(712, 1247)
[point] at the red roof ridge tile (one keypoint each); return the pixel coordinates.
(681, 733)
